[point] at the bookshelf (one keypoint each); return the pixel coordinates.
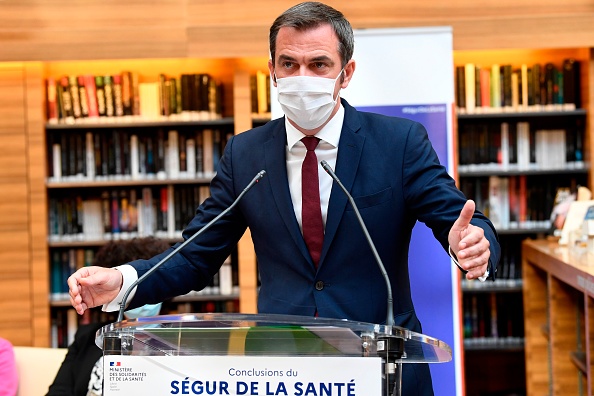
(514, 150)
(138, 173)
(558, 315)
(28, 175)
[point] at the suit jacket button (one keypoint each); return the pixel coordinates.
(319, 285)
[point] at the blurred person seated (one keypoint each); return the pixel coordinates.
(9, 379)
(81, 372)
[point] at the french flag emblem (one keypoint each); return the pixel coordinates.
(111, 364)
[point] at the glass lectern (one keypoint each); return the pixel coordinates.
(251, 354)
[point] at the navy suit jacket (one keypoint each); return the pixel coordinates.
(389, 167)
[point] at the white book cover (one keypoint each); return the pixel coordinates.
(226, 278)
(172, 155)
(90, 155)
(147, 213)
(134, 157)
(523, 145)
(191, 158)
(92, 219)
(57, 161)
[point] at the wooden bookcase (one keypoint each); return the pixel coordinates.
(24, 176)
(493, 318)
(558, 312)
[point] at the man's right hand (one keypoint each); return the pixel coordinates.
(93, 286)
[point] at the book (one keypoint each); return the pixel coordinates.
(66, 110)
(572, 84)
(127, 93)
(117, 95)
(74, 96)
(108, 87)
(100, 92)
(173, 154)
(207, 152)
(83, 97)
(524, 85)
(91, 92)
(90, 156)
(470, 86)
(92, 219)
(150, 104)
(485, 87)
(523, 145)
(52, 101)
(134, 157)
(495, 86)
(226, 278)
(506, 85)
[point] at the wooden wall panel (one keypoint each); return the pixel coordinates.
(97, 29)
(37, 200)
(15, 262)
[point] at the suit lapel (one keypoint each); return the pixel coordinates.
(349, 154)
(276, 170)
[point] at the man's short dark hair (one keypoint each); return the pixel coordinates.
(312, 14)
(119, 252)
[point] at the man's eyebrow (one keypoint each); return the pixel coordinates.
(286, 58)
(322, 58)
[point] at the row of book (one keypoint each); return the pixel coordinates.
(516, 202)
(519, 146)
(133, 155)
(504, 87)
(65, 261)
(492, 319)
(260, 94)
(95, 98)
(509, 269)
(163, 211)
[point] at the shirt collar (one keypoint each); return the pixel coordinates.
(330, 133)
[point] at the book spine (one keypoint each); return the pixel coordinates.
(52, 101)
(90, 155)
(75, 96)
(109, 96)
(117, 96)
(100, 92)
(134, 158)
(83, 97)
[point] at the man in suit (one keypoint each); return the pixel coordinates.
(387, 164)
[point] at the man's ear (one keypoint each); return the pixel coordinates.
(349, 69)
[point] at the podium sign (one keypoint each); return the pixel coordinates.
(241, 375)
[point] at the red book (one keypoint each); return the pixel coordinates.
(91, 91)
(485, 81)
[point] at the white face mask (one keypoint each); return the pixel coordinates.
(144, 311)
(307, 101)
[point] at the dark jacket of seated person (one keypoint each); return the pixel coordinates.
(81, 372)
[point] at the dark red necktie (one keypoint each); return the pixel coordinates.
(311, 211)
